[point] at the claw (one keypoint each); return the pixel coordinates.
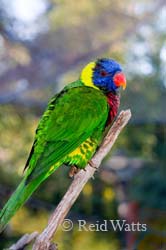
(91, 164)
(73, 171)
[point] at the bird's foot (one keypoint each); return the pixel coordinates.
(73, 171)
(92, 165)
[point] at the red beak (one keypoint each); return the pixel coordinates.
(120, 80)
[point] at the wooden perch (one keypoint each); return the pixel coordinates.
(43, 240)
(24, 241)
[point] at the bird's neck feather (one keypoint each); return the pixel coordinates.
(87, 75)
(113, 100)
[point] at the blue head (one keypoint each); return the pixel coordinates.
(105, 74)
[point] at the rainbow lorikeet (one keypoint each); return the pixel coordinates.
(71, 128)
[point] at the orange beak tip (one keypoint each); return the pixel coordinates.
(124, 86)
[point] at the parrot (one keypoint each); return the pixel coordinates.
(71, 128)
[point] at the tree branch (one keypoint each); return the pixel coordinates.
(24, 241)
(43, 240)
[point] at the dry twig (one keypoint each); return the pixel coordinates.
(24, 241)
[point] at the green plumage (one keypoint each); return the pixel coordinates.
(68, 133)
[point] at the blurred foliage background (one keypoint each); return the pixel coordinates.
(43, 46)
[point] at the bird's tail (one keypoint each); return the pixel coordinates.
(19, 197)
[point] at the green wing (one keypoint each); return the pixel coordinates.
(71, 117)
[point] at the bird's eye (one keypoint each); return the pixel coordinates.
(103, 73)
